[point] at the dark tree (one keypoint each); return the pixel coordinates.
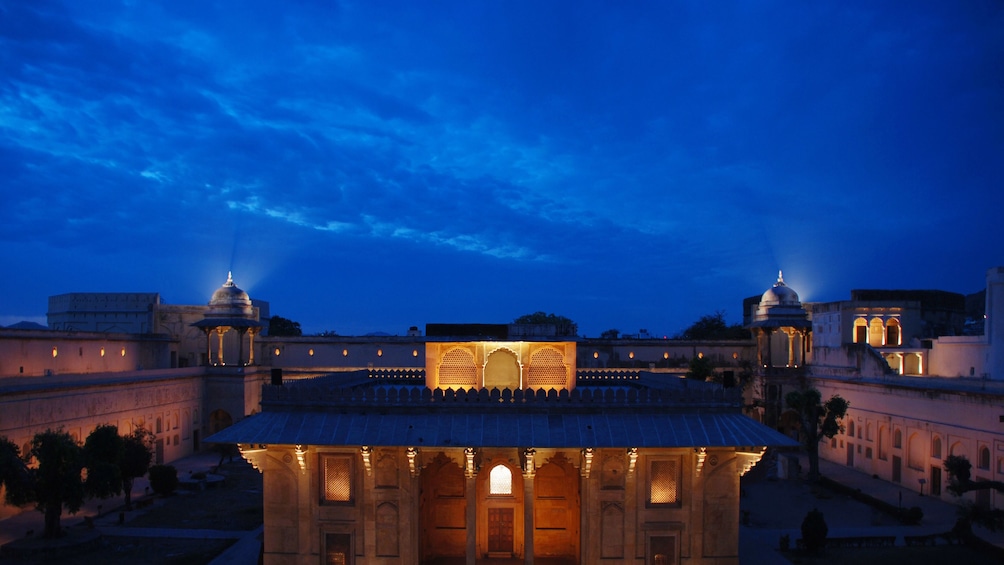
(279, 326)
(960, 482)
(819, 420)
(103, 451)
(701, 369)
(56, 481)
(814, 531)
(137, 454)
(563, 326)
(163, 479)
(713, 327)
(15, 477)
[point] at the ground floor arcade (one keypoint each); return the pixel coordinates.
(385, 505)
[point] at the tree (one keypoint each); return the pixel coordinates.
(56, 482)
(562, 325)
(819, 420)
(163, 479)
(136, 457)
(701, 368)
(279, 326)
(814, 531)
(14, 474)
(103, 450)
(713, 327)
(960, 482)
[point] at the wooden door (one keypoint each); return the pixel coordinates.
(500, 530)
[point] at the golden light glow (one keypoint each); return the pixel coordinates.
(700, 355)
(55, 352)
(665, 355)
(345, 353)
(310, 352)
(123, 352)
(276, 352)
(735, 355)
(596, 354)
(631, 355)
(414, 353)
(379, 352)
(102, 351)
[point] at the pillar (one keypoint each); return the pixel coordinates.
(528, 519)
(219, 351)
(472, 520)
(251, 346)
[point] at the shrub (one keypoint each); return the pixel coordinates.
(814, 531)
(163, 479)
(912, 516)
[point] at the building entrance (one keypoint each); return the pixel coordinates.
(500, 532)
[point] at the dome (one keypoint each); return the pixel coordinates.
(229, 301)
(780, 294)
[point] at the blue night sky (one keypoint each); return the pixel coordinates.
(368, 166)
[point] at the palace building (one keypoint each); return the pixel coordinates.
(500, 449)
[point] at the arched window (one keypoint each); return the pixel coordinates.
(936, 447)
(893, 335)
(983, 459)
(876, 333)
(915, 452)
(850, 428)
(897, 439)
(860, 331)
(500, 480)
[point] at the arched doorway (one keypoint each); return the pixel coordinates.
(442, 520)
(218, 420)
(500, 509)
(556, 510)
(502, 370)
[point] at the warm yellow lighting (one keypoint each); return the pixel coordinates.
(276, 352)
(345, 353)
(414, 353)
(123, 352)
(735, 355)
(310, 352)
(55, 352)
(102, 351)
(665, 355)
(596, 354)
(631, 355)
(700, 355)
(379, 352)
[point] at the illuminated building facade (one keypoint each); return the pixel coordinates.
(500, 449)
(916, 396)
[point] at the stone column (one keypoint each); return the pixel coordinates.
(472, 519)
(528, 519)
(219, 351)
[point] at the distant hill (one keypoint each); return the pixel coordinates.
(25, 325)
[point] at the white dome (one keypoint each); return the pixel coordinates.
(780, 294)
(229, 301)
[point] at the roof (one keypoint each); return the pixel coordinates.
(446, 429)
(630, 412)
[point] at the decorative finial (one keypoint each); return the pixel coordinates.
(230, 278)
(780, 278)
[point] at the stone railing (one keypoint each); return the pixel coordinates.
(307, 394)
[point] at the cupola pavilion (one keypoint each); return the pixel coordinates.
(782, 328)
(230, 311)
